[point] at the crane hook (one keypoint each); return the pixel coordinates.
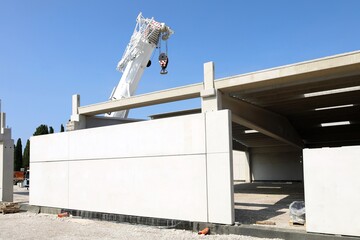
(163, 60)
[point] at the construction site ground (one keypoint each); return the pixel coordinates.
(264, 202)
(267, 203)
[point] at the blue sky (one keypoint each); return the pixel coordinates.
(50, 50)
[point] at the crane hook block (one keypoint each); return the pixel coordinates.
(163, 60)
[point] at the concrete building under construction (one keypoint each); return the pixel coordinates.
(295, 123)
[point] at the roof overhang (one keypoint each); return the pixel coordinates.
(319, 98)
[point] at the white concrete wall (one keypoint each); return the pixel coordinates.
(241, 163)
(166, 168)
(276, 164)
(332, 190)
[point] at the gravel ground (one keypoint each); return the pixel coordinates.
(27, 225)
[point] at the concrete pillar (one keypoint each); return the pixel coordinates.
(75, 104)
(219, 157)
(6, 161)
(2, 122)
(76, 121)
(210, 97)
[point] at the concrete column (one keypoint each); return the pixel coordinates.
(75, 104)
(2, 122)
(219, 157)
(210, 97)
(6, 162)
(77, 121)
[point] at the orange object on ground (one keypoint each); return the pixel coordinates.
(19, 176)
(205, 231)
(64, 214)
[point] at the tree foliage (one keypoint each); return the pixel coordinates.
(18, 158)
(62, 129)
(51, 129)
(26, 156)
(41, 130)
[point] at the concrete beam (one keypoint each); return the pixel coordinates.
(317, 70)
(290, 75)
(262, 120)
(170, 95)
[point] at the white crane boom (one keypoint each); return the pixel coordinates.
(136, 57)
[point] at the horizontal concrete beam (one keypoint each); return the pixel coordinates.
(262, 120)
(291, 75)
(170, 95)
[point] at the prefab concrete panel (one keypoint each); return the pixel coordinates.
(162, 187)
(218, 132)
(49, 183)
(153, 168)
(149, 138)
(220, 188)
(219, 167)
(332, 193)
(50, 147)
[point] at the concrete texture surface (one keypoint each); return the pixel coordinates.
(152, 174)
(332, 190)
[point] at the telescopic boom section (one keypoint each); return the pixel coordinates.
(136, 57)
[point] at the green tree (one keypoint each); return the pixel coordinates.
(41, 130)
(62, 129)
(51, 129)
(18, 158)
(26, 156)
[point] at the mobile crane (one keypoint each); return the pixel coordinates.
(147, 35)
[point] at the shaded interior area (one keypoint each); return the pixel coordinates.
(273, 121)
(266, 202)
(322, 113)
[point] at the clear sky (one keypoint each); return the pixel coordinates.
(50, 50)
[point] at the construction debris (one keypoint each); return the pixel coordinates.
(6, 207)
(297, 212)
(265, 223)
(64, 214)
(205, 231)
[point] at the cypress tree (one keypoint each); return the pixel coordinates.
(18, 155)
(26, 156)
